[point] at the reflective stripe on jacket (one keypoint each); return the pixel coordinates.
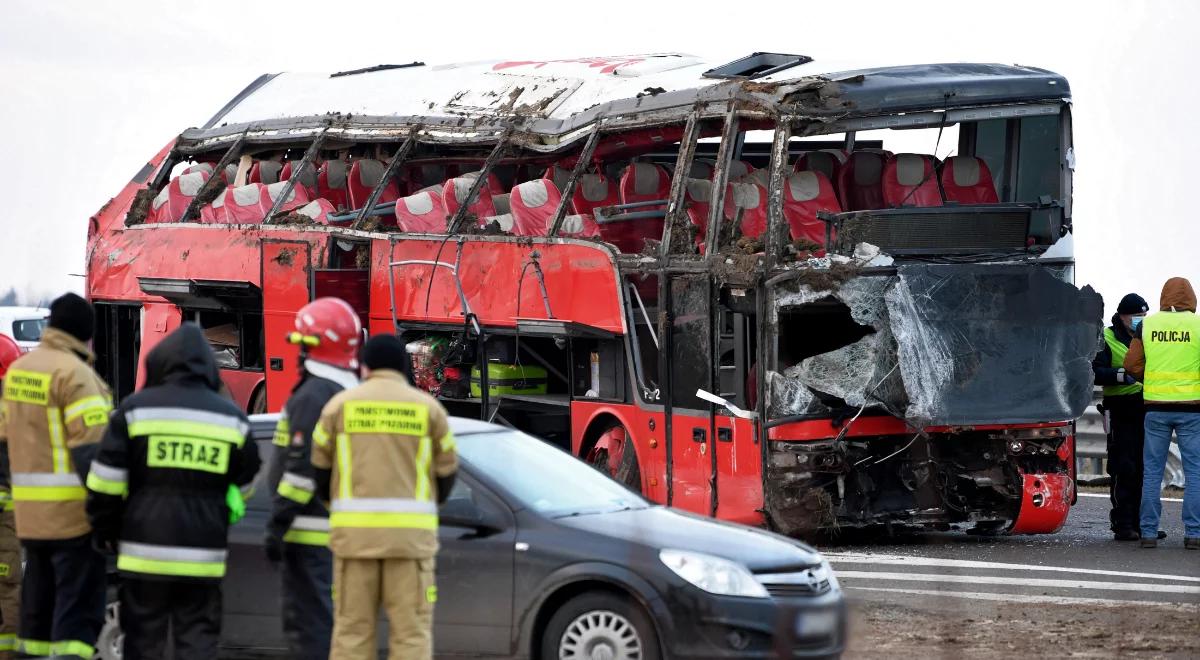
(1171, 342)
(385, 442)
(55, 408)
(1118, 350)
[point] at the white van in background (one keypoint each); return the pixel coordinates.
(24, 324)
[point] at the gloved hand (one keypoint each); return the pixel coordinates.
(273, 547)
(104, 544)
(236, 504)
(1129, 379)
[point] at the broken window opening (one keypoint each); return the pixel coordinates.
(814, 328)
(642, 308)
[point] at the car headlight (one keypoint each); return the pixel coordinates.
(825, 572)
(713, 574)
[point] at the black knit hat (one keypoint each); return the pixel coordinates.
(73, 315)
(1133, 304)
(384, 352)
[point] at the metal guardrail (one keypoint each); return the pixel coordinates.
(1091, 453)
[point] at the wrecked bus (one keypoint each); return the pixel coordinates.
(786, 292)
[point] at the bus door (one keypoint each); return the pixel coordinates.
(689, 368)
(286, 287)
(159, 319)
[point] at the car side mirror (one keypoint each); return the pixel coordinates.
(462, 512)
(720, 401)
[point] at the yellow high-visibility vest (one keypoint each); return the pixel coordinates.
(1172, 345)
(1118, 351)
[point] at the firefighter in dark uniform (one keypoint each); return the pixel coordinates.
(1124, 417)
(10, 547)
(170, 477)
(385, 457)
(55, 411)
(328, 331)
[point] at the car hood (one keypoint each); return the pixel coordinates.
(658, 527)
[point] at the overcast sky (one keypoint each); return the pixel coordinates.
(91, 90)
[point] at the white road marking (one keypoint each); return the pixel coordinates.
(901, 560)
(1165, 499)
(1021, 598)
(1020, 582)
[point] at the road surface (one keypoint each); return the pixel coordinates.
(1074, 593)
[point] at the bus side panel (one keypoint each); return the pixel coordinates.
(159, 319)
(739, 471)
(646, 441)
(241, 386)
(286, 286)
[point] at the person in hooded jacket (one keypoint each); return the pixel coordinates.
(1165, 356)
(1124, 417)
(167, 482)
(297, 539)
(55, 412)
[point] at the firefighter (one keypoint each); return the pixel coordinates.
(328, 331)
(385, 453)
(165, 486)
(10, 547)
(55, 411)
(1165, 355)
(1124, 417)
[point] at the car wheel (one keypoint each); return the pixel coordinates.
(615, 456)
(600, 626)
(110, 644)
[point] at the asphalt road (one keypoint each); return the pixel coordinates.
(1077, 592)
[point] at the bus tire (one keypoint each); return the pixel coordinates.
(614, 455)
(258, 400)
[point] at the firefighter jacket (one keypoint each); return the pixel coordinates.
(297, 516)
(381, 448)
(54, 412)
(160, 480)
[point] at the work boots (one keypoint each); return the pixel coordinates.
(1152, 542)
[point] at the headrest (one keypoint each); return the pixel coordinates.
(462, 188)
(573, 224)
(965, 170)
(646, 178)
(268, 171)
(230, 173)
(701, 169)
(868, 167)
(761, 177)
(500, 204)
(419, 204)
(818, 161)
(370, 171)
(699, 190)
(739, 169)
(335, 173)
(558, 175)
(910, 169)
(247, 195)
(745, 195)
(207, 168)
(505, 220)
(309, 178)
(804, 186)
(162, 197)
(534, 194)
(594, 187)
(312, 209)
(190, 184)
(274, 190)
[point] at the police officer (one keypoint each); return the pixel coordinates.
(1165, 355)
(328, 331)
(55, 411)
(165, 486)
(10, 547)
(385, 453)
(1124, 417)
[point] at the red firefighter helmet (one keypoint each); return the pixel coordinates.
(328, 330)
(9, 352)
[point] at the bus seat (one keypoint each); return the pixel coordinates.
(806, 193)
(860, 181)
(739, 169)
(559, 175)
(644, 182)
(421, 213)
(207, 168)
(750, 199)
(454, 195)
(701, 169)
(911, 180)
(967, 180)
(365, 174)
(594, 191)
(501, 204)
(319, 210)
(761, 177)
(271, 192)
(533, 205)
(493, 182)
(172, 201)
(331, 183)
(308, 179)
(504, 220)
(265, 172)
(229, 173)
(825, 162)
(243, 205)
(697, 202)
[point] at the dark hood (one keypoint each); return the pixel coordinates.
(183, 355)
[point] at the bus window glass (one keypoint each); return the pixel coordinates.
(991, 141)
(1038, 159)
(690, 341)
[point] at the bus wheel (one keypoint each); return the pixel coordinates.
(614, 455)
(258, 402)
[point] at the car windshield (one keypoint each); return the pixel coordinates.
(28, 329)
(543, 477)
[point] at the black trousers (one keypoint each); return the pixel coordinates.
(307, 595)
(1126, 435)
(155, 613)
(62, 598)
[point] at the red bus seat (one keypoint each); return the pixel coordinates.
(860, 181)
(207, 168)
(701, 169)
(331, 183)
(319, 210)
(804, 195)
(825, 162)
(248, 204)
(229, 173)
(592, 192)
(493, 182)
(454, 195)
(533, 204)
(644, 182)
(967, 180)
(265, 172)
(697, 202)
(172, 201)
(365, 174)
(422, 213)
(739, 169)
(559, 175)
(750, 199)
(308, 180)
(911, 180)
